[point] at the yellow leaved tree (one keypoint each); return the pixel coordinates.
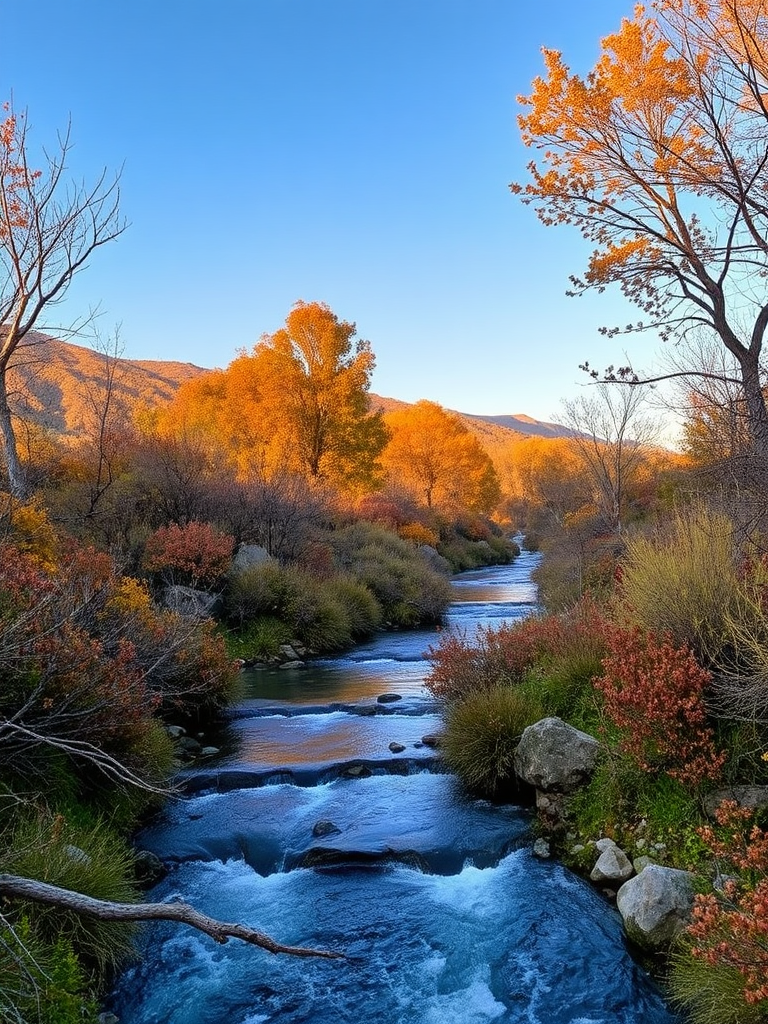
(432, 455)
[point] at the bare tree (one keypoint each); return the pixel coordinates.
(49, 227)
(613, 435)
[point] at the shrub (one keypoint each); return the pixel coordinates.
(729, 932)
(481, 735)
(197, 554)
(653, 694)
(409, 592)
(92, 860)
(683, 581)
(506, 653)
(363, 610)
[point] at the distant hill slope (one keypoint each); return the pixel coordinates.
(56, 384)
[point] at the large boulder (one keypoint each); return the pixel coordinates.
(656, 906)
(554, 757)
(248, 556)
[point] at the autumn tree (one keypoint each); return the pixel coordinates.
(659, 156)
(432, 455)
(49, 227)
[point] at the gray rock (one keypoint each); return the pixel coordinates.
(388, 698)
(656, 905)
(434, 559)
(754, 798)
(209, 751)
(191, 603)
(324, 828)
(358, 771)
(175, 731)
(604, 844)
(293, 664)
(76, 855)
(108, 1018)
(248, 556)
(190, 744)
(541, 849)
(396, 748)
(288, 652)
(641, 863)
(613, 866)
(149, 868)
(555, 757)
(431, 740)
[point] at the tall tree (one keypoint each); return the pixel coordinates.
(435, 457)
(49, 227)
(659, 156)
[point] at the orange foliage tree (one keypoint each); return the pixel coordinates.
(432, 455)
(659, 156)
(297, 403)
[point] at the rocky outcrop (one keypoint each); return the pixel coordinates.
(553, 757)
(656, 906)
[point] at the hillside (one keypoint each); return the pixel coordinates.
(57, 384)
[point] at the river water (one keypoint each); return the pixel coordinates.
(444, 914)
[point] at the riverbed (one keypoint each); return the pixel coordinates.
(309, 827)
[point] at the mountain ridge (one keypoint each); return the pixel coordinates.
(57, 384)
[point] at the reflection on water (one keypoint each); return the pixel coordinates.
(278, 742)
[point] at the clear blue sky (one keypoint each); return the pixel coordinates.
(356, 152)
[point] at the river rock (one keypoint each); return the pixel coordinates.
(434, 559)
(541, 849)
(149, 868)
(175, 731)
(754, 798)
(325, 828)
(76, 855)
(190, 744)
(358, 771)
(431, 740)
(656, 906)
(191, 603)
(296, 663)
(108, 1018)
(396, 748)
(388, 698)
(209, 751)
(552, 756)
(613, 866)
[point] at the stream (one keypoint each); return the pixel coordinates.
(308, 827)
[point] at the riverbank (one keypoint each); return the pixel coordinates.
(435, 897)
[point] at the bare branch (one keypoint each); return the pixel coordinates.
(16, 887)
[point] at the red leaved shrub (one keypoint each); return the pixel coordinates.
(197, 554)
(504, 654)
(730, 928)
(653, 693)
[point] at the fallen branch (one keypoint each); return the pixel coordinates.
(14, 886)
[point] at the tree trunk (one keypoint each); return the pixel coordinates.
(17, 476)
(757, 413)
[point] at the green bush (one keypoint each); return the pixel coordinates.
(481, 736)
(683, 581)
(93, 860)
(709, 993)
(362, 608)
(409, 592)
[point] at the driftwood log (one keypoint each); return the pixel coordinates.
(16, 887)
